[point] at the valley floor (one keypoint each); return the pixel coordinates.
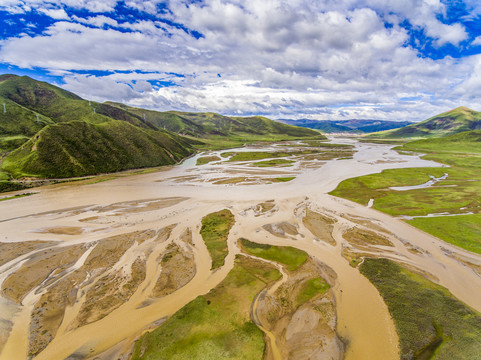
(86, 270)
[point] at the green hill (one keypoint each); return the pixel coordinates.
(448, 123)
(205, 125)
(53, 104)
(80, 148)
(49, 132)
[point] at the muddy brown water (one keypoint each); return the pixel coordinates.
(363, 319)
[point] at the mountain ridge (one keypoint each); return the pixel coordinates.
(355, 126)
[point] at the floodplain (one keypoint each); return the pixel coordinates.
(227, 259)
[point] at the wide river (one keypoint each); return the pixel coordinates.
(362, 316)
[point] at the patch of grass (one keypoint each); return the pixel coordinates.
(233, 180)
(214, 231)
(312, 288)
(257, 155)
(6, 186)
(430, 321)
(99, 180)
(291, 257)
(207, 159)
(275, 162)
(462, 230)
(16, 196)
(284, 179)
(217, 325)
(4, 176)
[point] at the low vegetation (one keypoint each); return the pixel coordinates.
(457, 195)
(291, 257)
(207, 159)
(216, 325)
(284, 179)
(274, 162)
(79, 148)
(312, 288)
(214, 231)
(463, 230)
(430, 321)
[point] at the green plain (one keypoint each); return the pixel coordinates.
(291, 257)
(462, 230)
(460, 193)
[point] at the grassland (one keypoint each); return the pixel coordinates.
(274, 162)
(78, 148)
(460, 193)
(216, 325)
(291, 257)
(463, 230)
(310, 289)
(215, 229)
(206, 159)
(261, 155)
(15, 196)
(430, 321)
(284, 179)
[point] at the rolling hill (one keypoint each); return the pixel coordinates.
(49, 132)
(78, 148)
(203, 125)
(448, 123)
(353, 126)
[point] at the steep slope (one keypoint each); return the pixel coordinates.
(79, 148)
(57, 104)
(448, 123)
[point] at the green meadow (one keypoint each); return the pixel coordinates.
(460, 193)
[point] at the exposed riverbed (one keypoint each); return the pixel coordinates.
(155, 210)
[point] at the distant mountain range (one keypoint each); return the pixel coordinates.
(448, 123)
(355, 126)
(49, 132)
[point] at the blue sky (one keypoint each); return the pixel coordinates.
(332, 59)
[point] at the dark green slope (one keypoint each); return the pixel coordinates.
(79, 148)
(448, 123)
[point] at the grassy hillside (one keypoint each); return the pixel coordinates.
(448, 123)
(56, 104)
(205, 125)
(79, 148)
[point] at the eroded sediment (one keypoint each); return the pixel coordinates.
(87, 270)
